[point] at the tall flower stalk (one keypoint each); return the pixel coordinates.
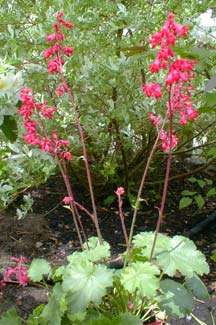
(177, 85)
(36, 127)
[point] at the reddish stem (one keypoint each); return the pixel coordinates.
(88, 174)
(143, 181)
(70, 194)
(123, 223)
(166, 181)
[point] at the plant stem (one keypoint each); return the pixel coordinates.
(88, 174)
(69, 190)
(143, 182)
(166, 181)
(123, 224)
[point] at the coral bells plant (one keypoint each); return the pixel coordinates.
(36, 115)
(88, 290)
(176, 87)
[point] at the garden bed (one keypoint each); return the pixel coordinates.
(48, 232)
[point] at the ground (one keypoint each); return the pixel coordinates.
(48, 232)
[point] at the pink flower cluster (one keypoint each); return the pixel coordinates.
(177, 82)
(58, 51)
(120, 191)
(35, 128)
(35, 114)
(16, 274)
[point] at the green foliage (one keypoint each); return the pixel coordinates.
(141, 278)
(169, 256)
(87, 291)
(9, 128)
(107, 69)
(56, 307)
(176, 300)
(213, 256)
(193, 196)
(38, 268)
(87, 283)
(197, 287)
(20, 168)
(10, 317)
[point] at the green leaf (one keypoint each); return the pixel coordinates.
(10, 317)
(109, 200)
(188, 193)
(56, 307)
(38, 268)
(192, 180)
(9, 128)
(213, 256)
(93, 251)
(86, 282)
(201, 183)
(144, 240)
(197, 287)
(211, 192)
(94, 318)
(58, 273)
(127, 318)
(208, 181)
(175, 300)
(181, 255)
(200, 201)
(101, 320)
(210, 99)
(140, 277)
(34, 318)
(185, 202)
(212, 152)
(76, 317)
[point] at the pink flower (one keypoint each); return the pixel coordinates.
(46, 145)
(30, 126)
(120, 191)
(26, 111)
(183, 120)
(48, 113)
(19, 271)
(49, 52)
(155, 66)
(168, 142)
(60, 36)
(155, 119)
(68, 50)
(59, 91)
(51, 37)
(156, 39)
(170, 16)
(152, 90)
(54, 66)
(59, 15)
(192, 114)
(66, 155)
(67, 199)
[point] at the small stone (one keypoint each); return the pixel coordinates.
(38, 244)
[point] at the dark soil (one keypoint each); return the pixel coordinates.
(49, 232)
